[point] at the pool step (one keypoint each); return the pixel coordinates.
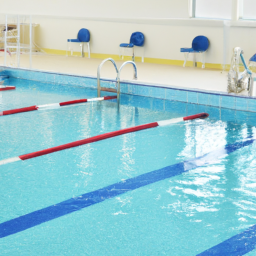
(108, 89)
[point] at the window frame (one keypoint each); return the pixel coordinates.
(242, 13)
(236, 11)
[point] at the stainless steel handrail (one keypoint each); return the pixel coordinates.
(119, 72)
(135, 69)
(118, 75)
(98, 72)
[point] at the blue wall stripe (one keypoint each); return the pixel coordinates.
(235, 246)
(74, 204)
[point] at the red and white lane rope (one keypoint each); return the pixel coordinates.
(54, 105)
(7, 88)
(101, 137)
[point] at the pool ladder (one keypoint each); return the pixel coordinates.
(118, 75)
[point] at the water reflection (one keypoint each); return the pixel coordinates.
(225, 187)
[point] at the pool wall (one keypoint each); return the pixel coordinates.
(215, 99)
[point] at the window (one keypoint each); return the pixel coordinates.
(249, 7)
(214, 9)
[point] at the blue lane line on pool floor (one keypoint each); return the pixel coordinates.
(237, 245)
(75, 204)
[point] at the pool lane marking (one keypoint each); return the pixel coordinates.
(53, 105)
(101, 137)
(7, 88)
(55, 211)
(237, 245)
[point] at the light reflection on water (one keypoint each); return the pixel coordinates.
(223, 184)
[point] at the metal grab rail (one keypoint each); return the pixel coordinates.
(98, 72)
(118, 75)
(119, 72)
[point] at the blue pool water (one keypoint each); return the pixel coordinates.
(185, 214)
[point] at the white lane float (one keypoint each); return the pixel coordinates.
(102, 137)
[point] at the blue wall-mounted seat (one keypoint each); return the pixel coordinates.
(252, 63)
(137, 39)
(83, 36)
(253, 58)
(200, 44)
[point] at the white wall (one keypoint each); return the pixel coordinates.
(243, 37)
(99, 8)
(166, 26)
(163, 39)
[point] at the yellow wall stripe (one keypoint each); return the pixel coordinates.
(147, 60)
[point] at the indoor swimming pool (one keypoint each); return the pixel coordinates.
(182, 189)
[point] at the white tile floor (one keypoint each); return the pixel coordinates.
(156, 74)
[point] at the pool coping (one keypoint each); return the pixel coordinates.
(159, 91)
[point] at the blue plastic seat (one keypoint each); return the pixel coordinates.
(83, 36)
(200, 44)
(252, 62)
(127, 45)
(137, 39)
(253, 58)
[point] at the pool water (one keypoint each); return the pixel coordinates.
(182, 215)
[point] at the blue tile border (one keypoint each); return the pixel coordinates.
(203, 99)
(215, 99)
(192, 97)
(251, 105)
(157, 92)
(241, 104)
(171, 94)
(227, 102)
(182, 95)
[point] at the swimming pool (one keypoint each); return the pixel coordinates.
(173, 190)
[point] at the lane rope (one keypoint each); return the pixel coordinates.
(53, 105)
(101, 137)
(7, 88)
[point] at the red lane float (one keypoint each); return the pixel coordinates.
(100, 137)
(89, 140)
(18, 110)
(201, 115)
(7, 88)
(73, 102)
(54, 105)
